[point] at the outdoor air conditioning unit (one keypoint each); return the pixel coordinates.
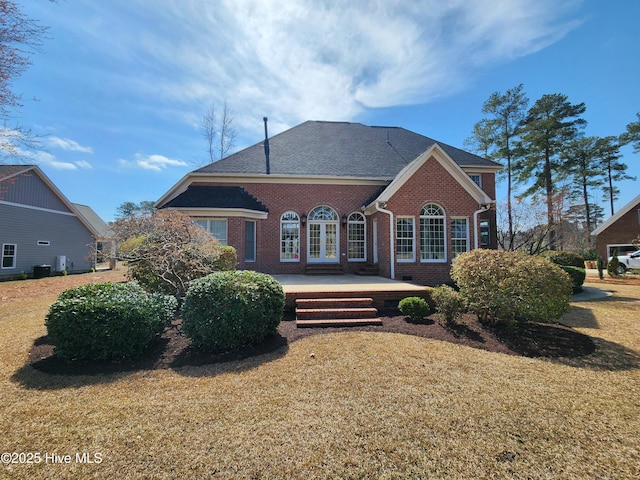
(61, 263)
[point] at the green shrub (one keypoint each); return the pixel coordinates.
(565, 259)
(508, 287)
(416, 308)
(228, 310)
(577, 275)
(228, 260)
(449, 303)
(613, 265)
(590, 255)
(106, 321)
(602, 265)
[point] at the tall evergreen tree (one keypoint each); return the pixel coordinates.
(583, 163)
(495, 137)
(614, 170)
(551, 123)
(632, 135)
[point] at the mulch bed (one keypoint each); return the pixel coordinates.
(173, 350)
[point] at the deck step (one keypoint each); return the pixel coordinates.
(334, 302)
(371, 270)
(346, 312)
(338, 322)
(324, 269)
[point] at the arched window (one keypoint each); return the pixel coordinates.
(289, 237)
(356, 249)
(323, 214)
(432, 234)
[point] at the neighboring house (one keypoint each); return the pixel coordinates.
(40, 227)
(345, 197)
(619, 230)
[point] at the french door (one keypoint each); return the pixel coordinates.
(323, 236)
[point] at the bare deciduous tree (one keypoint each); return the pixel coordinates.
(20, 37)
(218, 131)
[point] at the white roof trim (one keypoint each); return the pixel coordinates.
(619, 214)
(448, 163)
(204, 212)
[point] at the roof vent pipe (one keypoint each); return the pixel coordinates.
(266, 145)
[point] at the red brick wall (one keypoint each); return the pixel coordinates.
(432, 184)
(626, 229)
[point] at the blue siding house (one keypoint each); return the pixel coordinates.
(41, 231)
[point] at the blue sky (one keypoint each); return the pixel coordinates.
(120, 87)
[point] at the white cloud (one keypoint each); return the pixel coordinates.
(294, 61)
(156, 163)
(67, 144)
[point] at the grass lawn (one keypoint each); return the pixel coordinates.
(342, 405)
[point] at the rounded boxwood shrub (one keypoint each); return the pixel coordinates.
(577, 274)
(416, 308)
(228, 310)
(107, 321)
(508, 287)
(449, 303)
(566, 259)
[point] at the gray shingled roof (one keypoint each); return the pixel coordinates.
(208, 196)
(338, 149)
(96, 222)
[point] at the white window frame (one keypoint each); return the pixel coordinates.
(478, 176)
(14, 257)
(295, 241)
(454, 239)
(412, 238)
(252, 241)
(206, 224)
(43, 243)
(424, 218)
(351, 222)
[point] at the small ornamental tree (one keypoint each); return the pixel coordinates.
(510, 287)
(168, 251)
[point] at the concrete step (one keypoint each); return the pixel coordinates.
(345, 312)
(338, 322)
(334, 302)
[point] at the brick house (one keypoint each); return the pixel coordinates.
(345, 197)
(619, 230)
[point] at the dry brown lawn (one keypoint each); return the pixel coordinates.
(342, 405)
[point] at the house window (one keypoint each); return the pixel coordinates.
(250, 241)
(356, 237)
(485, 235)
(459, 237)
(477, 179)
(290, 237)
(9, 255)
(405, 252)
(216, 227)
(638, 216)
(432, 234)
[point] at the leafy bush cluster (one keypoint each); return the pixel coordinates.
(613, 265)
(107, 321)
(416, 308)
(570, 262)
(567, 259)
(511, 287)
(449, 303)
(227, 310)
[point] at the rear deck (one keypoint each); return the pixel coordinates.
(383, 291)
